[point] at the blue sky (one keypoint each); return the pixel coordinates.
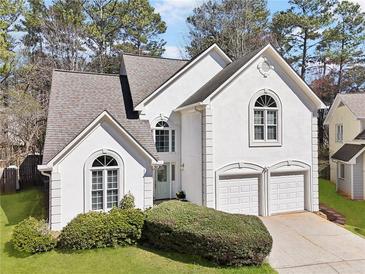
(174, 13)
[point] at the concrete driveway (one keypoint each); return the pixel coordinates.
(307, 243)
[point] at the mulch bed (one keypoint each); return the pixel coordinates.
(332, 215)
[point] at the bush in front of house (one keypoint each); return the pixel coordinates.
(127, 201)
(33, 236)
(99, 229)
(226, 239)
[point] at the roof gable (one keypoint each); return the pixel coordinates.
(183, 69)
(105, 116)
(355, 102)
(216, 84)
(77, 99)
(145, 74)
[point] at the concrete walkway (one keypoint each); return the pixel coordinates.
(307, 243)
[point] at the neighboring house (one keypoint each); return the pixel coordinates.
(239, 136)
(346, 121)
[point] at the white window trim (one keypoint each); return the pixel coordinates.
(105, 185)
(339, 170)
(265, 142)
(88, 178)
(337, 131)
(171, 128)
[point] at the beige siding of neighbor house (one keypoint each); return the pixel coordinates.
(351, 128)
(344, 185)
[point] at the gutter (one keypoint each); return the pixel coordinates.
(199, 104)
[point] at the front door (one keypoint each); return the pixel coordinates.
(163, 182)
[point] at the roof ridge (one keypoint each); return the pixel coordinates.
(156, 57)
(86, 72)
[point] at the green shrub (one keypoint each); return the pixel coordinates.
(85, 231)
(125, 226)
(33, 236)
(227, 239)
(98, 229)
(127, 201)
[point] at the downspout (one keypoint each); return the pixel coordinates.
(49, 175)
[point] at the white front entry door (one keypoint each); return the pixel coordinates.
(163, 182)
(286, 193)
(238, 195)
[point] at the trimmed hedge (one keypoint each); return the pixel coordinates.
(33, 236)
(99, 229)
(227, 239)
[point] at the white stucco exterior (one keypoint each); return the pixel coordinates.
(212, 144)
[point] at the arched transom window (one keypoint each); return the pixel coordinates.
(266, 119)
(104, 183)
(164, 137)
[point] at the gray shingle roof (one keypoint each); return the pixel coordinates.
(347, 152)
(77, 99)
(355, 102)
(219, 79)
(361, 135)
(146, 74)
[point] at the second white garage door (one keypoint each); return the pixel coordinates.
(238, 195)
(286, 193)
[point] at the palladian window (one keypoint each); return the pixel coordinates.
(104, 183)
(164, 137)
(265, 125)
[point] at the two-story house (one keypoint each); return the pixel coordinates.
(346, 122)
(239, 136)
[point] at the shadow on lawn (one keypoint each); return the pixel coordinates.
(179, 257)
(21, 205)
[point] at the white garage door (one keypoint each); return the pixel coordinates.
(286, 193)
(238, 195)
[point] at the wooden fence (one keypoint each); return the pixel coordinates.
(28, 172)
(8, 180)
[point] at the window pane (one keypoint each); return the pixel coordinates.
(259, 132)
(271, 133)
(112, 198)
(259, 117)
(162, 140)
(97, 200)
(272, 117)
(172, 140)
(97, 180)
(162, 173)
(112, 179)
(173, 172)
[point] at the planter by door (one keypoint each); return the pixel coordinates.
(162, 189)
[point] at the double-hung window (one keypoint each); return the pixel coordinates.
(265, 129)
(339, 133)
(104, 183)
(341, 170)
(164, 137)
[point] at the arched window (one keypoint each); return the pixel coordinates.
(265, 122)
(104, 183)
(164, 137)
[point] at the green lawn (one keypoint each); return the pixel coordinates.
(354, 211)
(16, 207)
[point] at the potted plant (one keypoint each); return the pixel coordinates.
(181, 195)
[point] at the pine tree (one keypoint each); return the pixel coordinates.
(237, 26)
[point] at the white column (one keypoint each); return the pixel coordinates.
(148, 192)
(315, 190)
(207, 161)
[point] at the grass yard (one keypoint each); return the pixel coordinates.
(354, 211)
(16, 207)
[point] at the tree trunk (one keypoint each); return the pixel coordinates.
(304, 54)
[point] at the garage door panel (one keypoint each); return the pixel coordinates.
(238, 195)
(286, 193)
